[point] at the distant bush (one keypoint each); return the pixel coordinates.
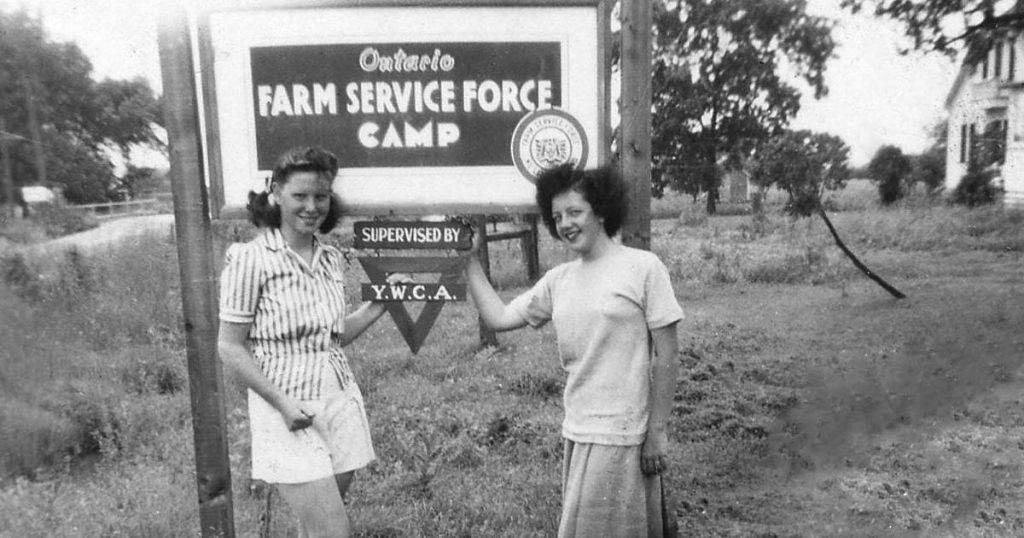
(59, 221)
(976, 188)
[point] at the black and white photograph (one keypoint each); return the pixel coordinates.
(512, 268)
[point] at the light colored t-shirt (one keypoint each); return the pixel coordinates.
(603, 311)
(297, 312)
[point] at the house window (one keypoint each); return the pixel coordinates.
(1012, 68)
(998, 70)
(984, 68)
(972, 146)
(963, 143)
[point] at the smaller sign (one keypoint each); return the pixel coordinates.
(434, 295)
(412, 235)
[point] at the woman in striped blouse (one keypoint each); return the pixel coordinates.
(282, 328)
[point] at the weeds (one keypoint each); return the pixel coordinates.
(798, 412)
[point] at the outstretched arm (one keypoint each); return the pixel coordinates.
(358, 321)
(664, 371)
(497, 315)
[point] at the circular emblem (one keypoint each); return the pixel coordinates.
(545, 139)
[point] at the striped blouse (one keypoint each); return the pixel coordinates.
(296, 311)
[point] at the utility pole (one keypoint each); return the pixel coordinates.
(635, 142)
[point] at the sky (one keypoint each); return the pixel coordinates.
(876, 96)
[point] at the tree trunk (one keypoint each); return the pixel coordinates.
(839, 243)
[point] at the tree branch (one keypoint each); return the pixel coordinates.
(839, 243)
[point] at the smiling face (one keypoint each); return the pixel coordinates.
(578, 226)
(305, 199)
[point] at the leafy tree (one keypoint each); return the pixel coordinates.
(719, 85)
(47, 88)
(948, 26)
(889, 167)
(929, 170)
(803, 164)
(942, 25)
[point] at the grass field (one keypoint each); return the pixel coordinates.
(810, 402)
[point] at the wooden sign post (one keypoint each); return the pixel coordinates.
(635, 162)
(198, 280)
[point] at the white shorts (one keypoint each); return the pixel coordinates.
(337, 442)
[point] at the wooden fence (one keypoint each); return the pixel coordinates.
(113, 209)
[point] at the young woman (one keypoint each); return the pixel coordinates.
(282, 328)
(615, 317)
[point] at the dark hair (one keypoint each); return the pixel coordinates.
(301, 159)
(603, 188)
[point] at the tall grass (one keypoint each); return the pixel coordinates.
(95, 426)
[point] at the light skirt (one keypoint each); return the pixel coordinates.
(605, 494)
(337, 442)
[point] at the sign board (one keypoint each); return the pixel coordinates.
(444, 108)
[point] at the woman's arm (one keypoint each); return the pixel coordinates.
(664, 371)
(358, 321)
(231, 345)
(497, 315)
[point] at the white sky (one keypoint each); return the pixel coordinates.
(876, 96)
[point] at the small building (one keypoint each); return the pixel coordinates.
(986, 117)
(737, 186)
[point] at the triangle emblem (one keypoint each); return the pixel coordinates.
(415, 331)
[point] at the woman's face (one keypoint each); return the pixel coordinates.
(305, 199)
(577, 224)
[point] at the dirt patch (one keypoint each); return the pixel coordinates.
(840, 411)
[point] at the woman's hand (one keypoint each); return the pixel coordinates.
(297, 416)
(399, 278)
(654, 453)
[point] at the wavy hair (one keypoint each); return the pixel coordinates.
(603, 188)
(302, 159)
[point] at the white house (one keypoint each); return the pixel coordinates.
(986, 102)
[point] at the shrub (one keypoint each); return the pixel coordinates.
(976, 188)
(33, 437)
(59, 221)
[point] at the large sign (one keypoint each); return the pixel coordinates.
(452, 107)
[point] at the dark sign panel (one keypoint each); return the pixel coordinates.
(412, 235)
(383, 105)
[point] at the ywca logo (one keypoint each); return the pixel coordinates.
(545, 139)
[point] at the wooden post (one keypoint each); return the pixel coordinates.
(488, 338)
(29, 83)
(6, 177)
(198, 280)
(635, 150)
(530, 244)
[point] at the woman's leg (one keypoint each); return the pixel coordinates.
(319, 507)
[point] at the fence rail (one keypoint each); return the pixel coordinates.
(111, 209)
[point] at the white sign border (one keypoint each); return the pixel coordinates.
(227, 33)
